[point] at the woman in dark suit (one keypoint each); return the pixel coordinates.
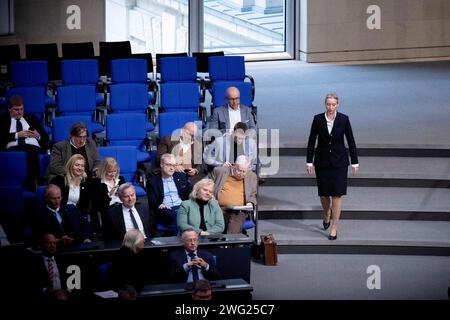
(331, 159)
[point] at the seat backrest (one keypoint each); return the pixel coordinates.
(126, 97)
(33, 99)
(179, 97)
(219, 90)
(226, 68)
(159, 56)
(178, 69)
(79, 72)
(77, 50)
(41, 51)
(129, 70)
(13, 168)
(148, 57)
(126, 157)
(29, 73)
(170, 122)
(9, 53)
(11, 213)
(115, 49)
(126, 128)
(76, 99)
(61, 126)
(202, 59)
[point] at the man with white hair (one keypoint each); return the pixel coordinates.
(235, 186)
(187, 151)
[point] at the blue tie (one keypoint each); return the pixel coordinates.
(194, 269)
(57, 216)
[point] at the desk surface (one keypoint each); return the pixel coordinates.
(186, 288)
(158, 243)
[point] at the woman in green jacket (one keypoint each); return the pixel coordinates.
(202, 211)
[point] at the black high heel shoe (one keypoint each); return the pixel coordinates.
(326, 225)
(330, 237)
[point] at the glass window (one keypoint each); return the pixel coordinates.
(244, 26)
(156, 26)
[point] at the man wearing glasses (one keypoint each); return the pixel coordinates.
(78, 143)
(165, 191)
(225, 118)
(235, 186)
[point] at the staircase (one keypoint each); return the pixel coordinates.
(398, 204)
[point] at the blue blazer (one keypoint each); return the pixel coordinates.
(155, 189)
(330, 150)
(221, 120)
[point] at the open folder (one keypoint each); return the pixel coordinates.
(239, 208)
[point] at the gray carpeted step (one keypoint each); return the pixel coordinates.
(375, 167)
(357, 198)
(345, 277)
(356, 236)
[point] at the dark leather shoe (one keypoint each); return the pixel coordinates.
(330, 237)
(326, 225)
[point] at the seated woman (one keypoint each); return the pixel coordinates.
(104, 187)
(73, 185)
(128, 267)
(202, 211)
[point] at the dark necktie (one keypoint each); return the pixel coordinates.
(194, 269)
(19, 128)
(51, 271)
(135, 225)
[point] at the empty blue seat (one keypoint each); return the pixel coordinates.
(128, 129)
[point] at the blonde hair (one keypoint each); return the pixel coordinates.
(69, 178)
(108, 164)
(132, 238)
(331, 95)
(202, 183)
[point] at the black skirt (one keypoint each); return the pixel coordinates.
(332, 182)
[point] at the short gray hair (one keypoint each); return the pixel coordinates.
(123, 187)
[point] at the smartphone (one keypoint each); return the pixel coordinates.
(187, 170)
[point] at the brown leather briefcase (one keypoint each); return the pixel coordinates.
(269, 249)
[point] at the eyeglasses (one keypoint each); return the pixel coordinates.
(233, 99)
(170, 165)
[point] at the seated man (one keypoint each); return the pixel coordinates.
(78, 143)
(225, 118)
(63, 221)
(127, 215)
(166, 190)
(224, 150)
(202, 290)
(189, 264)
(235, 186)
(46, 272)
(20, 131)
(187, 151)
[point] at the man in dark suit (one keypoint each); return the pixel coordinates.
(225, 118)
(166, 190)
(189, 264)
(128, 215)
(46, 272)
(23, 132)
(65, 222)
